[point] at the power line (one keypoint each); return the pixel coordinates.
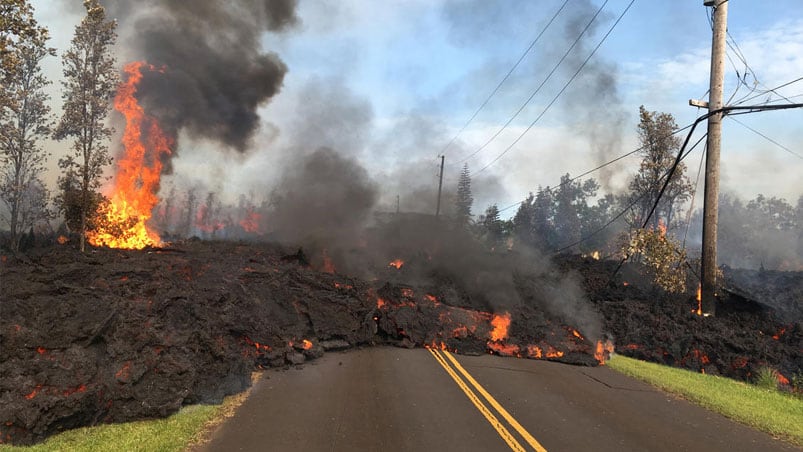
(610, 162)
(772, 90)
(504, 79)
(560, 92)
(527, 102)
(768, 138)
(667, 175)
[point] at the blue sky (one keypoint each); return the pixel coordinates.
(391, 83)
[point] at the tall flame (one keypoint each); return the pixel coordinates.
(500, 324)
(138, 171)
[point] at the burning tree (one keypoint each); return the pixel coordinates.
(90, 82)
(24, 121)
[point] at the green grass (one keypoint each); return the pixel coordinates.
(170, 434)
(188, 427)
(769, 410)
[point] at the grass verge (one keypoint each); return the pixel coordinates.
(184, 430)
(768, 410)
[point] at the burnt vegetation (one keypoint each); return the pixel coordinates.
(319, 262)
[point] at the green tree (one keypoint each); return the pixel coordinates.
(570, 207)
(544, 219)
(659, 149)
(464, 199)
(24, 122)
(523, 222)
(90, 81)
(492, 227)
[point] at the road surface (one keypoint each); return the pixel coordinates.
(393, 399)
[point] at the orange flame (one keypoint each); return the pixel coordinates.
(251, 221)
(62, 240)
(699, 310)
(534, 351)
(662, 227)
(782, 380)
(328, 265)
(306, 345)
(398, 263)
(603, 351)
(138, 171)
(501, 323)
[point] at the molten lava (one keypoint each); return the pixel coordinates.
(131, 202)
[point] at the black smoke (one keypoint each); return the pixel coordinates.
(216, 72)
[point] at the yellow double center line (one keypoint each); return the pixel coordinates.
(442, 356)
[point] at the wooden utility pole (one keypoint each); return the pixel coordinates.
(711, 198)
(440, 187)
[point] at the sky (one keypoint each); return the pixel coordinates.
(393, 85)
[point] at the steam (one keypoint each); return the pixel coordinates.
(216, 72)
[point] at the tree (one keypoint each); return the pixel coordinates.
(16, 25)
(464, 198)
(659, 146)
(523, 222)
(90, 81)
(492, 227)
(543, 218)
(24, 121)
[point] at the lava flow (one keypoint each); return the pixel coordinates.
(124, 219)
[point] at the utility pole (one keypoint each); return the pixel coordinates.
(714, 141)
(440, 186)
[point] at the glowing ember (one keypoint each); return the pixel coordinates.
(124, 373)
(577, 334)
(306, 345)
(432, 298)
(69, 392)
(136, 183)
(380, 302)
(407, 292)
(33, 393)
(62, 240)
(777, 336)
(398, 263)
(260, 347)
(41, 350)
(500, 324)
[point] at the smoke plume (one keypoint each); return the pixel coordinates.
(216, 73)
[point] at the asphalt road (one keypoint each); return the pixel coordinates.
(392, 399)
